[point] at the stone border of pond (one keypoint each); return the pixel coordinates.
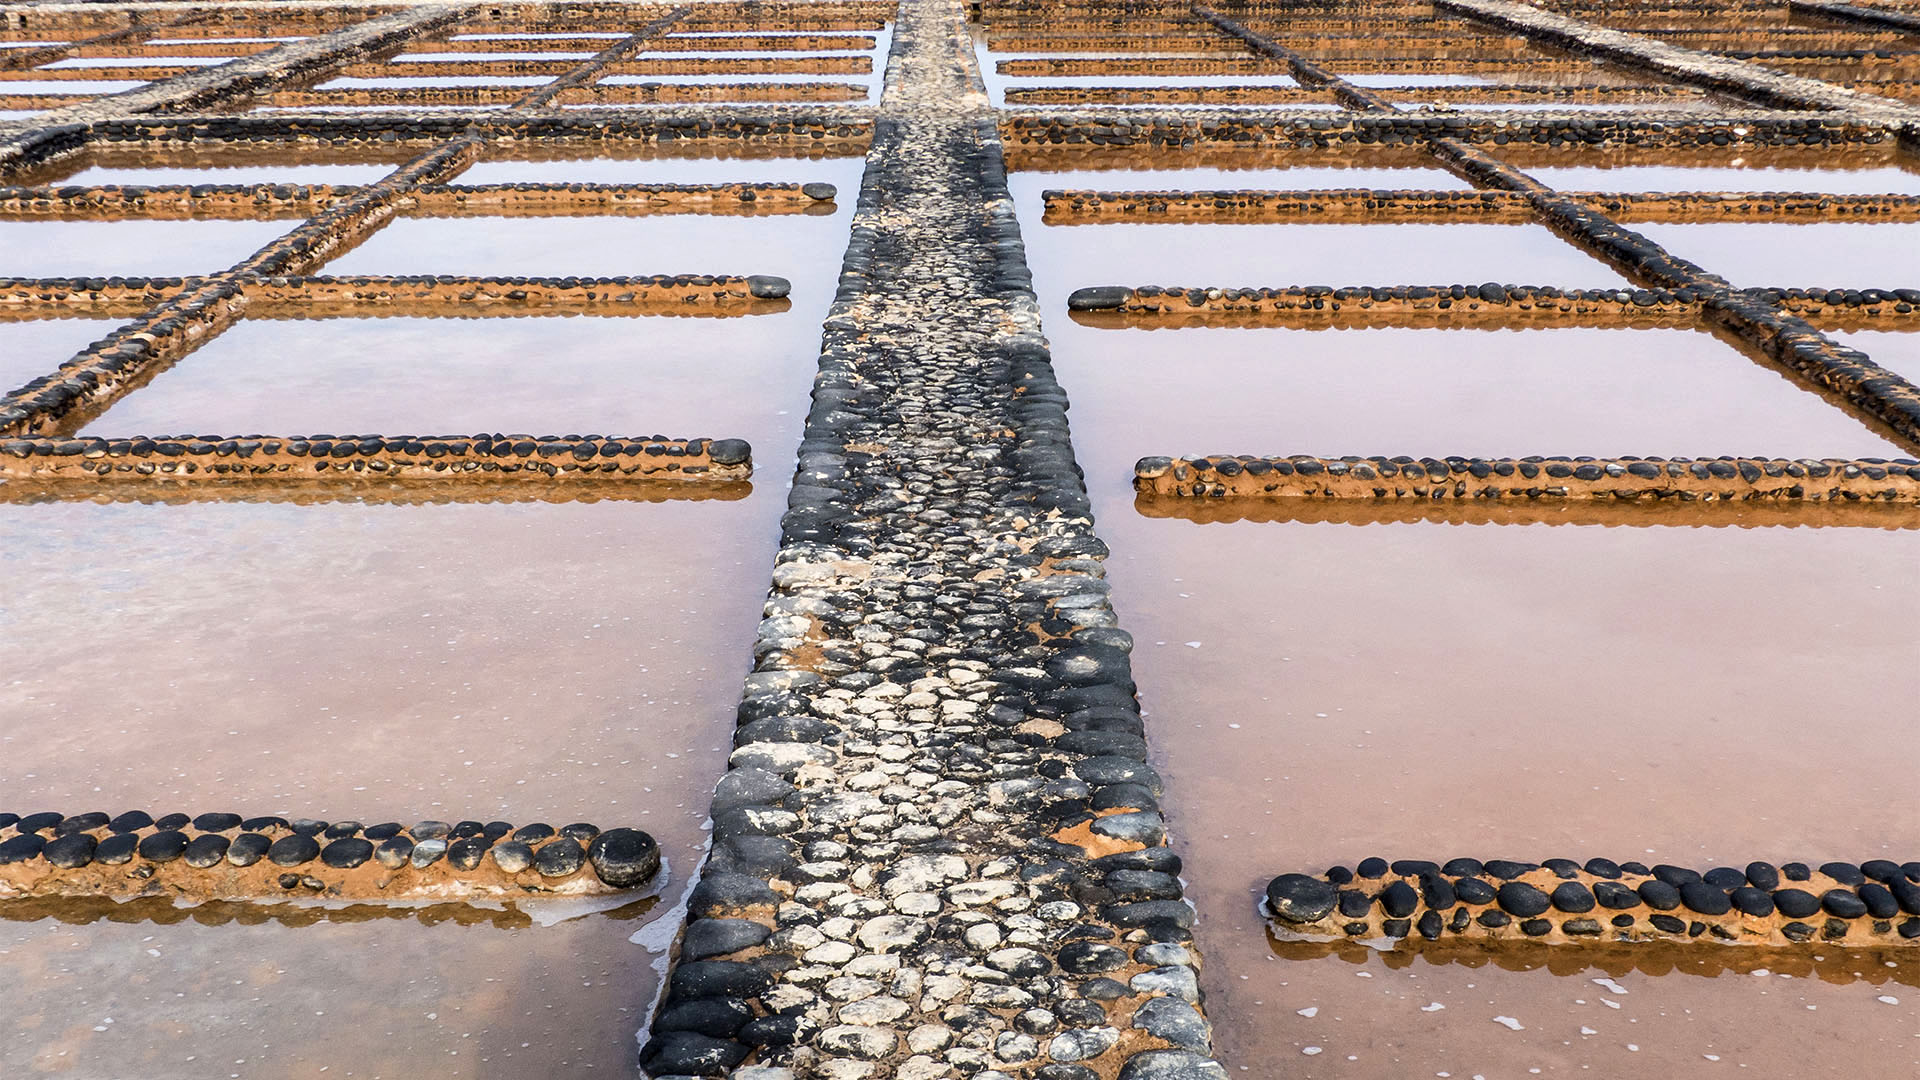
(224, 856)
(332, 458)
(1875, 903)
(1401, 206)
(253, 202)
(1545, 478)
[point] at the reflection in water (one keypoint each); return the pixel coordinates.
(35, 347)
(162, 911)
(1715, 515)
(129, 248)
(1826, 254)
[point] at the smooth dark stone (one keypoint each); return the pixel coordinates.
(1667, 924)
(1843, 904)
(213, 823)
(707, 938)
(293, 850)
(1536, 927)
(1573, 898)
(1603, 868)
(1562, 868)
(768, 287)
(207, 850)
(393, 852)
(534, 833)
(719, 1018)
(1437, 892)
(1796, 903)
(772, 1031)
(562, 857)
(1615, 896)
(1796, 871)
(1354, 904)
(1751, 901)
(386, 830)
(512, 856)
(1704, 898)
(1659, 895)
(1507, 869)
(1472, 890)
(19, 849)
(346, 852)
(116, 849)
(1763, 876)
(1098, 298)
(1675, 876)
(1797, 931)
(163, 847)
(1521, 900)
(262, 824)
(1844, 873)
(1375, 867)
(1463, 868)
(1414, 867)
(581, 831)
(429, 830)
(1880, 870)
(248, 848)
(308, 826)
(1396, 928)
(465, 855)
(689, 1053)
(70, 852)
(1880, 902)
(624, 858)
(1091, 958)
(1399, 900)
(1493, 918)
(1298, 898)
(724, 895)
(131, 821)
(1430, 925)
(45, 821)
(692, 980)
(95, 819)
(1104, 989)
(1724, 877)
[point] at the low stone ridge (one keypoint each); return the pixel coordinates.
(222, 856)
(938, 848)
(1630, 479)
(1558, 900)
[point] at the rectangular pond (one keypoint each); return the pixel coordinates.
(1828, 255)
(129, 248)
(30, 348)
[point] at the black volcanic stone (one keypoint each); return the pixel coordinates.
(1603, 868)
(308, 826)
(1507, 869)
(1880, 870)
(163, 847)
(1562, 868)
(216, 822)
(116, 849)
(45, 821)
(1472, 890)
(1431, 924)
(1493, 918)
(1704, 898)
(1615, 896)
(94, 820)
(707, 938)
(465, 855)
(624, 858)
(18, 849)
(393, 852)
(1844, 873)
(1399, 900)
(1796, 903)
(1414, 867)
(1437, 892)
(1880, 902)
(206, 850)
(1375, 867)
(347, 852)
(689, 1053)
(1521, 900)
(293, 850)
(1724, 877)
(1091, 958)
(1796, 871)
(1298, 898)
(386, 830)
(172, 822)
(1751, 901)
(70, 852)
(1843, 904)
(262, 824)
(1354, 904)
(580, 831)
(1763, 876)
(1675, 876)
(1573, 898)
(696, 979)
(248, 848)
(1463, 868)
(1659, 895)
(719, 1018)
(1667, 924)
(340, 830)
(534, 833)
(561, 857)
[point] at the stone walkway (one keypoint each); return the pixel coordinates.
(938, 850)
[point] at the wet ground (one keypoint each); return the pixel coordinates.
(439, 654)
(1331, 683)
